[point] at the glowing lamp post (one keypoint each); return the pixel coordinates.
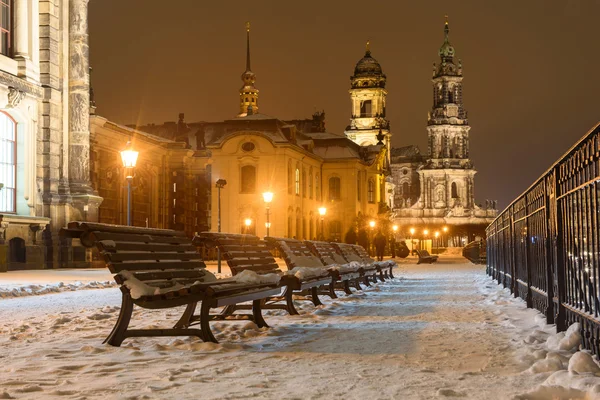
(322, 212)
(268, 198)
(248, 223)
(372, 225)
(129, 157)
(412, 242)
(445, 237)
(437, 244)
(220, 184)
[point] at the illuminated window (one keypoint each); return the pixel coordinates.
(303, 183)
(310, 184)
(371, 191)
(248, 179)
(358, 188)
(290, 179)
(317, 187)
(6, 28)
(8, 164)
(297, 182)
(335, 188)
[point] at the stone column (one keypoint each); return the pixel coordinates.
(79, 98)
(85, 201)
(21, 18)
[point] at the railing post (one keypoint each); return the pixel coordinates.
(561, 320)
(515, 285)
(528, 297)
(549, 198)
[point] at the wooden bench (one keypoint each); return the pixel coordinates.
(249, 252)
(425, 257)
(297, 253)
(165, 268)
(329, 254)
(383, 272)
(349, 253)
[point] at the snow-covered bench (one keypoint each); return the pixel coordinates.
(297, 254)
(330, 255)
(160, 268)
(425, 257)
(384, 267)
(250, 253)
(349, 252)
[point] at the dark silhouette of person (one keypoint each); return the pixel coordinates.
(379, 241)
(393, 246)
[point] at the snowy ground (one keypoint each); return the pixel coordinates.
(441, 331)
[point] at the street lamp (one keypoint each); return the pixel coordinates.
(248, 223)
(372, 225)
(395, 228)
(445, 237)
(322, 212)
(437, 243)
(129, 158)
(220, 185)
(268, 198)
(412, 241)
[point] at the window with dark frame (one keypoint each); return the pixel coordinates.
(335, 189)
(6, 28)
(371, 191)
(248, 179)
(8, 164)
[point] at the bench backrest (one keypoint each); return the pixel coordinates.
(326, 252)
(295, 252)
(159, 257)
(242, 252)
(348, 252)
(362, 253)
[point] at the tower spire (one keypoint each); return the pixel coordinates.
(248, 46)
(248, 92)
(367, 47)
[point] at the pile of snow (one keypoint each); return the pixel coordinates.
(385, 264)
(345, 268)
(307, 272)
(251, 277)
(35, 290)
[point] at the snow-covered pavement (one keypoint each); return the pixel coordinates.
(436, 331)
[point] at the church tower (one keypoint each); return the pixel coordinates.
(248, 92)
(368, 97)
(447, 177)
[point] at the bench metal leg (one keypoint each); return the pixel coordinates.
(257, 313)
(207, 335)
(186, 318)
(119, 331)
(366, 280)
(357, 284)
(315, 296)
(391, 274)
(331, 290)
(291, 309)
(347, 287)
(381, 278)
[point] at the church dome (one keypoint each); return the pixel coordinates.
(446, 51)
(367, 66)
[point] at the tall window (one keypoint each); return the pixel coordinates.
(371, 191)
(335, 231)
(248, 179)
(358, 188)
(310, 184)
(297, 182)
(8, 164)
(317, 187)
(6, 27)
(335, 188)
(303, 183)
(454, 191)
(405, 190)
(290, 178)
(365, 109)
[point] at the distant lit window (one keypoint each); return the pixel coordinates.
(371, 191)
(248, 173)
(297, 182)
(310, 185)
(303, 183)
(317, 187)
(335, 189)
(6, 27)
(454, 191)
(8, 164)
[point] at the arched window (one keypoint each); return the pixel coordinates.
(454, 191)
(358, 188)
(290, 178)
(371, 191)
(303, 182)
(8, 164)
(335, 188)
(317, 187)
(310, 184)
(248, 179)
(405, 190)
(297, 182)
(335, 231)
(290, 227)
(365, 109)
(298, 225)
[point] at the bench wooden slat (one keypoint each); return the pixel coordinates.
(171, 274)
(113, 246)
(134, 256)
(157, 266)
(118, 237)
(98, 227)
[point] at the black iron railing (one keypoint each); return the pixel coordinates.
(545, 246)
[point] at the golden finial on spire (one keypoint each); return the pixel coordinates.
(367, 46)
(446, 16)
(247, 26)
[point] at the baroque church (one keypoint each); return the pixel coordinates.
(60, 160)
